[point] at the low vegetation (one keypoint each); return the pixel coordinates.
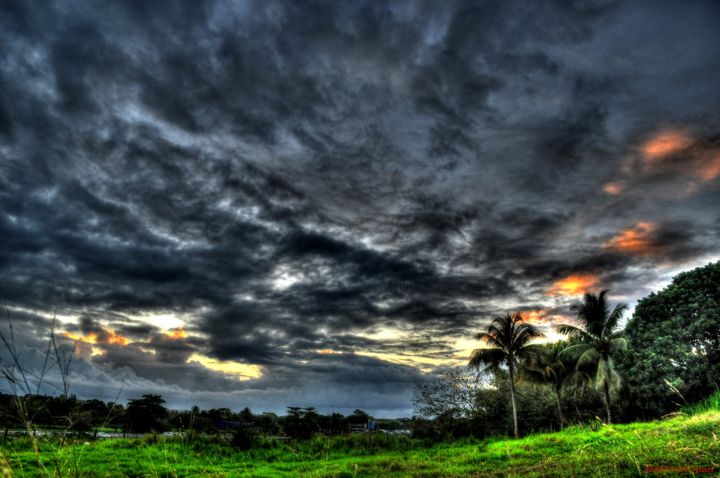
(682, 443)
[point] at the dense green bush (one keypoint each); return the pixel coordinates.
(674, 344)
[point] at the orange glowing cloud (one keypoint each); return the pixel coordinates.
(176, 334)
(665, 144)
(635, 240)
(106, 337)
(116, 339)
(538, 317)
(613, 189)
(710, 168)
(548, 322)
(574, 284)
(542, 317)
(533, 316)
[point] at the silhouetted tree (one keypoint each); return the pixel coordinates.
(301, 423)
(146, 414)
(509, 339)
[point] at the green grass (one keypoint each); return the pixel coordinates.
(709, 404)
(615, 450)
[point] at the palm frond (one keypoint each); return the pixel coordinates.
(617, 344)
(577, 332)
(531, 351)
(589, 358)
(606, 371)
(614, 318)
(574, 351)
(486, 359)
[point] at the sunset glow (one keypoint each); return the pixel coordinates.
(574, 284)
(710, 169)
(613, 189)
(635, 240)
(241, 371)
(107, 337)
(176, 334)
(665, 144)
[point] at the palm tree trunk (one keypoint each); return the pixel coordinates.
(512, 399)
(607, 400)
(559, 407)
(607, 389)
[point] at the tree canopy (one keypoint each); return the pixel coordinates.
(674, 335)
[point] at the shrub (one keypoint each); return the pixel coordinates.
(244, 437)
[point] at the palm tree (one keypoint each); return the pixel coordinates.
(548, 366)
(508, 337)
(598, 341)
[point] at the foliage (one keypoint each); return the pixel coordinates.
(147, 413)
(615, 450)
(535, 402)
(509, 339)
(709, 404)
(548, 366)
(244, 436)
(674, 338)
(301, 423)
(599, 343)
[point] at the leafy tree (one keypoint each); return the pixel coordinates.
(146, 414)
(268, 423)
(674, 336)
(360, 417)
(97, 410)
(334, 424)
(509, 339)
(599, 341)
(301, 423)
(548, 366)
(494, 417)
(246, 416)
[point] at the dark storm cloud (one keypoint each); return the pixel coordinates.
(288, 178)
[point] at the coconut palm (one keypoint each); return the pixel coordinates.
(548, 366)
(599, 341)
(509, 339)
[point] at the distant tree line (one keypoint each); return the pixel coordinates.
(148, 414)
(666, 357)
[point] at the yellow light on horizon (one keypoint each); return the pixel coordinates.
(241, 371)
(93, 338)
(176, 334)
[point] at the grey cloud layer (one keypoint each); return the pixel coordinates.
(396, 163)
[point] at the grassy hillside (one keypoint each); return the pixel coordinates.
(682, 442)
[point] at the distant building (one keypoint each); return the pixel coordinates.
(362, 427)
(357, 427)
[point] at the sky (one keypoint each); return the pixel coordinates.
(319, 203)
